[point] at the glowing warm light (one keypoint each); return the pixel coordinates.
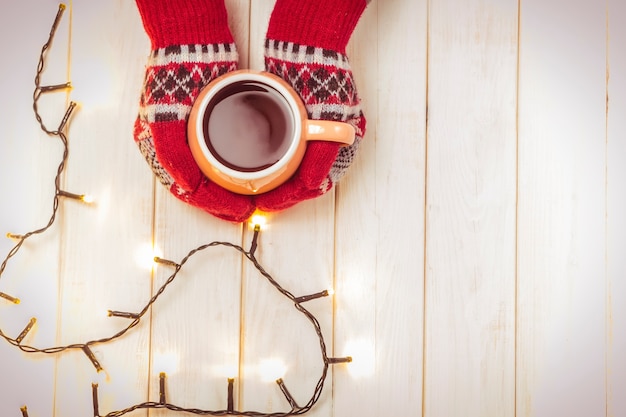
(330, 291)
(166, 362)
(363, 358)
(258, 219)
(87, 198)
(271, 370)
(144, 255)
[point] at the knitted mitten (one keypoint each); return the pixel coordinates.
(191, 45)
(305, 45)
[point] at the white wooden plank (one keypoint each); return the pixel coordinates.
(28, 163)
(296, 248)
(380, 220)
(400, 191)
(99, 266)
(561, 350)
(470, 221)
(355, 388)
(196, 324)
(616, 207)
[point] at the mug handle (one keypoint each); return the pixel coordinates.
(329, 130)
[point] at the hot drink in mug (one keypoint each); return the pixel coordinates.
(248, 131)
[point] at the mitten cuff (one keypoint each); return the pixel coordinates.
(326, 24)
(185, 22)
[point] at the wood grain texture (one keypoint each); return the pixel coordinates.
(470, 209)
(379, 302)
(616, 207)
(562, 208)
(400, 194)
(99, 269)
(356, 237)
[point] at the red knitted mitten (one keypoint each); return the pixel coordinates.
(191, 45)
(305, 45)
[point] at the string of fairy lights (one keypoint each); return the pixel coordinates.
(136, 317)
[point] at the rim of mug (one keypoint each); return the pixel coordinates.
(260, 77)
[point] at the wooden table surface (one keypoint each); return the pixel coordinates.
(475, 248)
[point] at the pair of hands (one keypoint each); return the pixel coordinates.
(192, 45)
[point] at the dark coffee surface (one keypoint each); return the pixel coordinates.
(248, 126)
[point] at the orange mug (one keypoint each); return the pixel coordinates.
(248, 131)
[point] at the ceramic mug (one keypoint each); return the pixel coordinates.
(248, 131)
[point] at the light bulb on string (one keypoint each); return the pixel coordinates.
(55, 87)
(26, 330)
(310, 297)
(145, 254)
(10, 298)
(162, 377)
(88, 198)
(230, 397)
(85, 198)
(122, 314)
(292, 402)
(14, 236)
(94, 398)
(258, 220)
(92, 357)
